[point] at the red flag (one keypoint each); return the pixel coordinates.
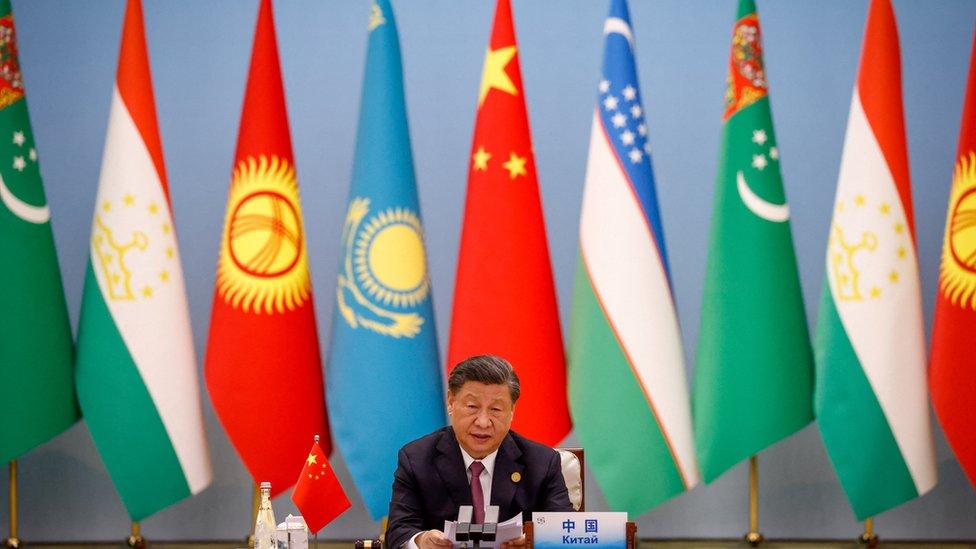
(952, 376)
(318, 493)
(262, 366)
(504, 299)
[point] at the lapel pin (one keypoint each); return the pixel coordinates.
(516, 476)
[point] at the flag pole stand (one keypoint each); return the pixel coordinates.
(255, 504)
(12, 542)
(753, 537)
(868, 538)
(135, 538)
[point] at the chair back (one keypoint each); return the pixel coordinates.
(572, 465)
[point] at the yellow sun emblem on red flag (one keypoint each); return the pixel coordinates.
(263, 264)
(958, 269)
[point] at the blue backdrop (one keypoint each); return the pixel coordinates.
(199, 53)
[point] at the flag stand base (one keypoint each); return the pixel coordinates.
(868, 538)
(135, 538)
(11, 543)
(754, 539)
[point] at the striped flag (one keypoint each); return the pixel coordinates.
(754, 369)
(952, 373)
(383, 333)
(627, 389)
(136, 368)
(870, 397)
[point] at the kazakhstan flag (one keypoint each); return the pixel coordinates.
(383, 376)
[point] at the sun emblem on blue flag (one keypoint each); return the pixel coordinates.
(384, 271)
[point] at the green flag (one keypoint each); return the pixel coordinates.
(36, 385)
(753, 377)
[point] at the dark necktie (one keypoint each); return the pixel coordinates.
(477, 494)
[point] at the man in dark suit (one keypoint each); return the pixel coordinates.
(476, 461)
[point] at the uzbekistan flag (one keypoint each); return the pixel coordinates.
(136, 368)
(870, 400)
(953, 371)
(627, 388)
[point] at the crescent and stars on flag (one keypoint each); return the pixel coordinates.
(24, 157)
(495, 77)
(746, 85)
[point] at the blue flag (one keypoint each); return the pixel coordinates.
(383, 376)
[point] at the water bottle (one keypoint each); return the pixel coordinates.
(265, 527)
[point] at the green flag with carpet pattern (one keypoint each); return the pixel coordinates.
(36, 383)
(754, 370)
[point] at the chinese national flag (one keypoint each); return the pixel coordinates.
(318, 494)
(952, 376)
(262, 364)
(504, 299)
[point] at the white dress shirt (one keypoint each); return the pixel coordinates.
(486, 476)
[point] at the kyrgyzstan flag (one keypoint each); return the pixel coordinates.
(953, 367)
(262, 366)
(504, 299)
(318, 493)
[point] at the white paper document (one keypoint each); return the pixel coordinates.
(506, 531)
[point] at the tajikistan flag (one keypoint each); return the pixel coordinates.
(871, 401)
(627, 389)
(136, 368)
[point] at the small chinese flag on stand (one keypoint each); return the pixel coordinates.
(318, 494)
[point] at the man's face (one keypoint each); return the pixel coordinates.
(481, 416)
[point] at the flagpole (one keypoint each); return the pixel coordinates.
(135, 536)
(868, 537)
(255, 504)
(753, 537)
(13, 542)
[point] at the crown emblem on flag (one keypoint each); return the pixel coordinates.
(867, 244)
(263, 266)
(958, 268)
(122, 241)
(384, 270)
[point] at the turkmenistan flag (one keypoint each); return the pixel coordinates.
(136, 369)
(627, 388)
(871, 402)
(753, 376)
(36, 385)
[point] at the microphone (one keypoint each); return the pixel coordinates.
(463, 532)
(491, 524)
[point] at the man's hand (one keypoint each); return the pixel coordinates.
(517, 543)
(433, 539)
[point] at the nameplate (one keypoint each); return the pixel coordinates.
(603, 530)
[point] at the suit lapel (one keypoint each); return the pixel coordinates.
(450, 467)
(503, 483)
